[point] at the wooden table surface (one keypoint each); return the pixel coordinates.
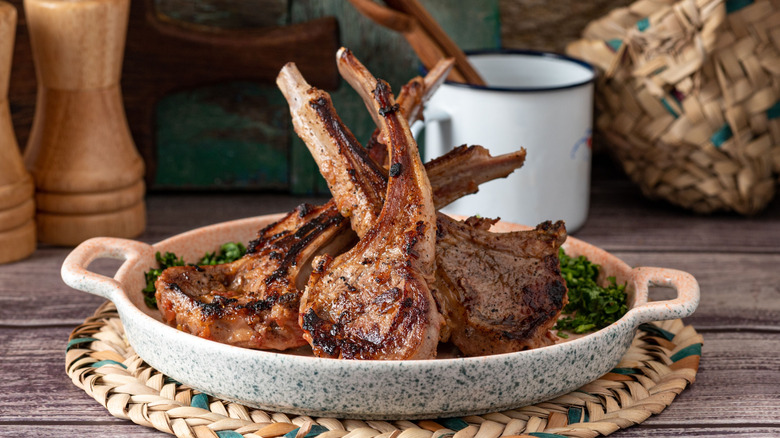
(735, 259)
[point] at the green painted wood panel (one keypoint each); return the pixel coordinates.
(238, 135)
(231, 136)
(225, 136)
(230, 14)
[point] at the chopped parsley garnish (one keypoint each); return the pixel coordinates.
(591, 307)
(227, 253)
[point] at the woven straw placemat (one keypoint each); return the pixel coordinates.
(662, 361)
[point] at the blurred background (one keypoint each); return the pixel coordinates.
(203, 122)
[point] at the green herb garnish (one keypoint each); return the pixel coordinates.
(227, 253)
(591, 307)
(164, 262)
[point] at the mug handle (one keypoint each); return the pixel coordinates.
(434, 149)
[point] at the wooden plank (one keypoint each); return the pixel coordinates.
(739, 366)
(622, 219)
(224, 136)
(130, 430)
(737, 290)
(229, 14)
(33, 294)
(120, 428)
(169, 215)
(707, 431)
(35, 386)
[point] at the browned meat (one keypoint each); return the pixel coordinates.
(253, 302)
(497, 292)
(318, 125)
(356, 181)
(374, 301)
(501, 292)
(460, 171)
(230, 303)
(340, 157)
(227, 303)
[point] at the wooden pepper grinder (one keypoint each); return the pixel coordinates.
(17, 209)
(87, 171)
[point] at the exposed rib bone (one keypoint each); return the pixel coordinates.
(410, 100)
(233, 304)
(340, 157)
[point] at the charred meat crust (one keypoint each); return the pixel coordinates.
(487, 286)
(254, 301)
(387, 325)
(462, 178)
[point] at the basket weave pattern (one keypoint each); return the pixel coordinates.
(661, 362)
(689, 98)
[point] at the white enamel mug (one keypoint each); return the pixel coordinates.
(540, 101)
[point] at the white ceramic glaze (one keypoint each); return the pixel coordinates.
(299, 384)
(540, 101)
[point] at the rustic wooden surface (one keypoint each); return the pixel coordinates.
(735, 259)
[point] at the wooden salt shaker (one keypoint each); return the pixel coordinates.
(87, 171)
(17, 209)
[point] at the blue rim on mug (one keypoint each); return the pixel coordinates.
(541, 54)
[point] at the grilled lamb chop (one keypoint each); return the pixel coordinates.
(233, 304)
(229, 304)
(374, 301)
(498, 292)
(253, 302)
(461, 170)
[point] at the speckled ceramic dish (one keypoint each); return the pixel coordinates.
(300, 384)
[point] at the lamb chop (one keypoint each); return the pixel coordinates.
(253, 302)
(374, 301)
(497, 292)
(235, 304)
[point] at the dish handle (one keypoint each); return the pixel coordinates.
(74, 268)
(684, 305)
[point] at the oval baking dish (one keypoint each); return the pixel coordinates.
(300, 384)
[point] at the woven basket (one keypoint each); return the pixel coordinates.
(688, 98)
